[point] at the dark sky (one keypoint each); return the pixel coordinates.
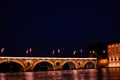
(46, 25)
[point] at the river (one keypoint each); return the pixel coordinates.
(82, 74)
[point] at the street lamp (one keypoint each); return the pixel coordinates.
(81, 50)
(74, 52)
(27, 52)
(53, 52)
(81, 55)
(2, 51)
(59, 52)
(30, 51)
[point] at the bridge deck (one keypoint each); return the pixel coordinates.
(46, 58)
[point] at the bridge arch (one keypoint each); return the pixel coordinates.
(11, 66)
(43, 65)
(89, 65)
(69, 65)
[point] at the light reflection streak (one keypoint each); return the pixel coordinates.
(29, 76)
(75, 74)
(2, 76)
(57, 75)
(82, 74)
(91, 71)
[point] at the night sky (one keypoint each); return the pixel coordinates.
(47, 25)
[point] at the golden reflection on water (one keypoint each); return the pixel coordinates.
(75, 74)
(2, 76)
(29, 76)
(82, 74)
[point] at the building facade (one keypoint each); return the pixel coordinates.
(114, 55)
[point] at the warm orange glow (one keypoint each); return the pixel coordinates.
(113, 58)
(104, 61)
(110, 59)
(2, 76)
(117, 58)
(114, 55)
(109, 46)
(112, 45)
(29, 76)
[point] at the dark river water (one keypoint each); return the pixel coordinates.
(82, 74)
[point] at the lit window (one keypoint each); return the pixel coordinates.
(112, 45)
(116, 45)
(117, 58)
(110, 59)
(119, 44)
(109, 46)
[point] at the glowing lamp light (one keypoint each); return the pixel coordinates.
(81, 50)
(90, 52)
(58, 50)
(53, 52)
(103, 51)
(74, 52)
(30, 50)
(27, 51)
(110, 59)
(2, 50)
(93, 51)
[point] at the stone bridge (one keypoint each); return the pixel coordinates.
(45, 63)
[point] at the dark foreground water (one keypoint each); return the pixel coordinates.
(82, 74)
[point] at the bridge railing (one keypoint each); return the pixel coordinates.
(45, 58)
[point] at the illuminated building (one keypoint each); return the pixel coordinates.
(114, 55)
